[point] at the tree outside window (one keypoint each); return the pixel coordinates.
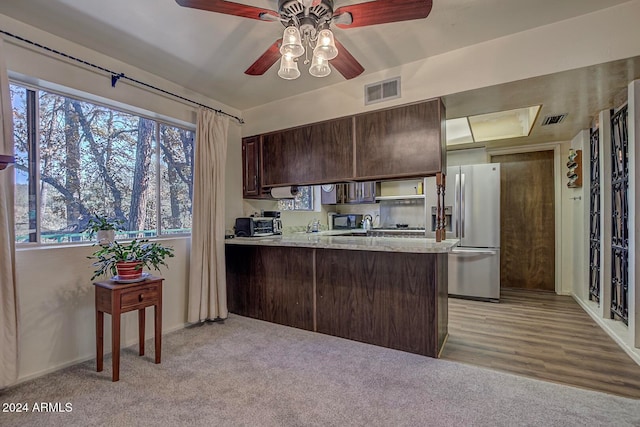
(75, 158)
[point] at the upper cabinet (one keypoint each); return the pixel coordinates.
(313, 154)
(399, 142)
(252, 187)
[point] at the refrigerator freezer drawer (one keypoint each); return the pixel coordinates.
(475, 273)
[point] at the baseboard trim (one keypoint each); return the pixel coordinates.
(634, 353)
(82, 359)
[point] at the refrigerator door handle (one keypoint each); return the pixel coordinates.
(456, 204)
(462, 211)
(473, 252)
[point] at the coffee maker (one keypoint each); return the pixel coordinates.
(277, 222)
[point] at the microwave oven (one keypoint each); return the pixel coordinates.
(346, 221)
(257, 226)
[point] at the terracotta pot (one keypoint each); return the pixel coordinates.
(129, 270)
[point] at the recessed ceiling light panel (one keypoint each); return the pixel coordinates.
(458, 131)
(503, 124)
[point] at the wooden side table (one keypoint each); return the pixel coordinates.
(117, 298)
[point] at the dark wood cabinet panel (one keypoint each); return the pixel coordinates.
(262, 286)
(252, 187)
(406, 141)
(395, 300)
(352, 192)
(362, 192)
(250, 166)
(314, 154)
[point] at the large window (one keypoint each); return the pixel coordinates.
(75, 158)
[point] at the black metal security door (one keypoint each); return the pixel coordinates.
(620, 218)
(594, 218)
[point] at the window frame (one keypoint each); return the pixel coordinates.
(104, 103)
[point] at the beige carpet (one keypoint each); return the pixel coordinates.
(251, 373)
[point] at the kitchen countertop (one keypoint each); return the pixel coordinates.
(344, 239)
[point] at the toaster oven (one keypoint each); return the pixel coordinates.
(257, 226)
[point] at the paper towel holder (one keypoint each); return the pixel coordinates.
(284, 192)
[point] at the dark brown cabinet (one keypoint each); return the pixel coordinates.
(400, 142)
(251, 166)
(352, 192)
(406, 141)
(362, 192)
(395, 300)
(313, 154)
(260, 285)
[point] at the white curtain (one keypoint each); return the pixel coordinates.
(207, 275)
(8, 291)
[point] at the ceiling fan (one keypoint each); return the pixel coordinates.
(307, 22)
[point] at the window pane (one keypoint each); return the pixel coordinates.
(303, 201)
(176, 186)
(24, 206)
(75, 159)
(94, 160)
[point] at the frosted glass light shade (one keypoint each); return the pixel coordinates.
(288, 68)
(326, 44)
(291, 42)
(319, 66)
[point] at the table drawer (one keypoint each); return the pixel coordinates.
(139, 298)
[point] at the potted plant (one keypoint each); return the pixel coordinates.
(126, 260)
(104, 228)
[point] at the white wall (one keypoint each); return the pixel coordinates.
(586, 40)
(628, 337)
(56, 302)
(574, 203)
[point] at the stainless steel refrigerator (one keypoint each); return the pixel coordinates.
(472, 210)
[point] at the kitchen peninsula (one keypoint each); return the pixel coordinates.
(386, 291)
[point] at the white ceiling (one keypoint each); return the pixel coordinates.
(208, 52)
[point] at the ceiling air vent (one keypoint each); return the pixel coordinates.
(382, 91)
(553, 120)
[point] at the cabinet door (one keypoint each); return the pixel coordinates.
(251, 166)
(405, 141)
(314, 154)
(370, 190)
(361, 192)
(352, 193)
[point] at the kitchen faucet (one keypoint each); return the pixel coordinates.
(313, 226)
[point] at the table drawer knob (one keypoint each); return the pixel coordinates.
(141, 297)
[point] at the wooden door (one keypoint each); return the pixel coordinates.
(527, 221)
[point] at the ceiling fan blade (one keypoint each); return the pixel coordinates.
(266, 60)
(345, 63)
(382, 12)
(231, 8)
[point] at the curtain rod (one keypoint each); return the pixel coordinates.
(115, 76)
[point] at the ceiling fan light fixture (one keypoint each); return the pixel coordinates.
(319, 65)
(292, 42)
(326, 44)
(288, 68)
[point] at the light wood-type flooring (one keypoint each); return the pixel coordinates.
(539, 335)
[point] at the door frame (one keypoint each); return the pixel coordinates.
(557, 196)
